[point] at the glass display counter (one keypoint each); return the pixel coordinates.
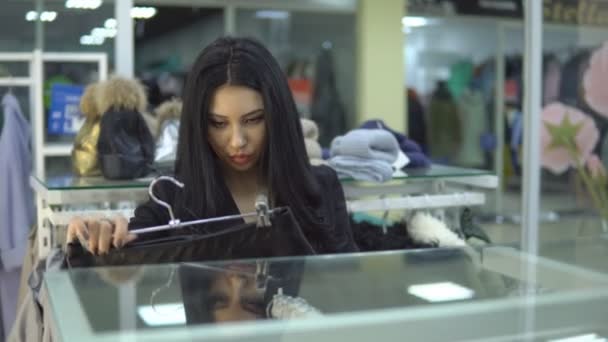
(423, 295)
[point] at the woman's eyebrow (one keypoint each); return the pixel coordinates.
(255, 111)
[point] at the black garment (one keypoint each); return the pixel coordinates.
(332, 235)
(242, 241)
(125, 146)
(416, 122)
(327, 109)
(571, 81)
(370, 237)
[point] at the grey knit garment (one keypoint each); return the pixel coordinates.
(362, 169)
(365, 154)
(373, 144)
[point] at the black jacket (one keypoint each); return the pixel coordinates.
(333, 236)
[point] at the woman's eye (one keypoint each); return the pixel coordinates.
(255, 120)
(218, 124)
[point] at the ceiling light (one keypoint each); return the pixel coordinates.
(163, 314)
(91, 40)
(440, 292)
(272, 14)
(414, 21)
(83, 4)
(47, 16)
(103, 32)
(110, 23)
(143, 12)
(31, 16)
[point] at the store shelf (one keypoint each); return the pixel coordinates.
(15, 81)
(57, 150)
(418, 202)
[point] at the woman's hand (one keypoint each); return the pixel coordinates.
(99, 234)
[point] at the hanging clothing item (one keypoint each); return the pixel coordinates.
(444, 132)
(365, 154)
(325, 224)
(412, 150)
(552, 74)
(571, 79)
(16, 197)
(472, 112)
(461, 75)
(327, 109)
(416, 122)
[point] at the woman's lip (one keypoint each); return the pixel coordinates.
(241, 159)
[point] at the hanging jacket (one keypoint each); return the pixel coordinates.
(332, 235)
(571, 79)
(327, 109)
(444, 132)
(552, 74)
(416, 122)
(472, 111)
(16, 197)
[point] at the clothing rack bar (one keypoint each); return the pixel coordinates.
(418, 202)
(15, 57)
(15, 81)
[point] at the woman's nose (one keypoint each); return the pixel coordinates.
(238, 140)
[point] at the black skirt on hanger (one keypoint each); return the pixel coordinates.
(283, 238)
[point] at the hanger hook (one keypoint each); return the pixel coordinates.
(160, 202)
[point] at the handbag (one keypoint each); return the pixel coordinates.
(125, 146)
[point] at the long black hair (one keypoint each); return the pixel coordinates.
(285, 167)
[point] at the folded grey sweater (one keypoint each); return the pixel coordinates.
(362, 169)
(365, 155)
(372, 144)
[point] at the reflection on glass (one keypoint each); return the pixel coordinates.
(234, 297)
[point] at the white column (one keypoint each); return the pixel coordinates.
(499, 117)
(380, 66)
(123, 43)
(230, 20)
(532, 121)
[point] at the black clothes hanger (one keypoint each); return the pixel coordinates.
(276, 233)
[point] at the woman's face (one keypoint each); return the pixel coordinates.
(234, 297)
(237, 129)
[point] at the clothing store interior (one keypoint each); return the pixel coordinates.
(327, 170)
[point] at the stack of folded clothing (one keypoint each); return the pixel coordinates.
(311, 137)
(365, 154)
(417, 158)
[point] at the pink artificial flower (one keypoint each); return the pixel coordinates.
(558, 159)
(595, 81)
(596, 167)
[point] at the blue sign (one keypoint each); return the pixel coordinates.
(64, 114)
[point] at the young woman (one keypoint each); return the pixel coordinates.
(240, 136)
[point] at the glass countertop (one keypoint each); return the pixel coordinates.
(71, 182)
(189, 300)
